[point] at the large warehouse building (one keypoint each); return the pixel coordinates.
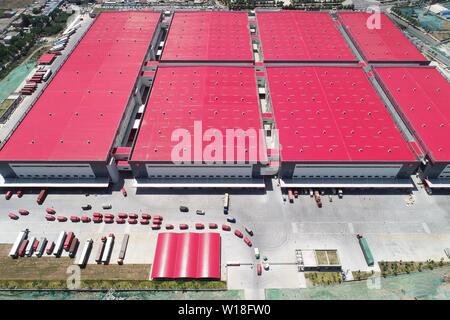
(208, 36)
(422, 95)
(68, 135)
(185, 130)
(295, 36)
(380, 43)
(335, 131)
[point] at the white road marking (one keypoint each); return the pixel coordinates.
(351, 229)
(425, 227)
(294, 227)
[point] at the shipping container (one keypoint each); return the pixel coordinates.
(16, 245)
(123, 248)
(84, 257)
(59, 244)
(29, 249)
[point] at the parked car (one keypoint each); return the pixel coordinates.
(146, 216)
(50, 211)
(257, 253)
(108, 220)
(248, 242)
(8, 195)
(156, 227)
(19, 193)
(258, 269)
(249, 231)
(226, 227)
(106, 206)
(120, 221)
(97, 215)
(49, 217)
(144, 221)
(132, 221)
(157, 217)
(199, 226)
(74, 219)
(108, 216)
(184, 209)
(201, 212)
(86, 207)
(238, 233)
(133, 216)
(184, 226)
(97, 220)
(85, 219)
(122, 215)
(213, 225)
(266, 265)
(61, 218)
(13, 216)
(169, 226)
(231, 219)
(24, 212)
(156, 221)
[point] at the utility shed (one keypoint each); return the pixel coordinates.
(334, 127)
(421, 96)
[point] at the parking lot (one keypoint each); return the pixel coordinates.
(394, 230)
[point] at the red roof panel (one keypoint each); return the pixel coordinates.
(187, 255)
(78, 114)
(220, 98)
(387, 43)
(301, 36)
(422, 96)
(208, 36)
(332, 114)
(46, 58)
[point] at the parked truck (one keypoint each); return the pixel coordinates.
(41, 197)
(98, 257)
(57, 250)
(226, 203)
(365, 249)
(13, 253)
(73, 247)
(68, 240)
(41, 248)
(85, 253)
(108, 248)
(123, 248)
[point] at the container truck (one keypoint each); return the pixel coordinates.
(58, 47)
(226, 203)
(41, 197)
(108, 248)
(68, 240)
(59, 244)
(29, 249)
(365, 249)
(290, 196)
(73, 247)
(47, 75)
(22, 248)
(42, 244)
(123, 248)
(99, 255)
(16, 245)
(84, 257)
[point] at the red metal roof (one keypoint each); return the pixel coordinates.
(422, 95)
(78, 114)
(387, 43)
(46, 58)
(220, 97)
(187, 255)
(301, 36)
(332, 114)
(208, 36)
